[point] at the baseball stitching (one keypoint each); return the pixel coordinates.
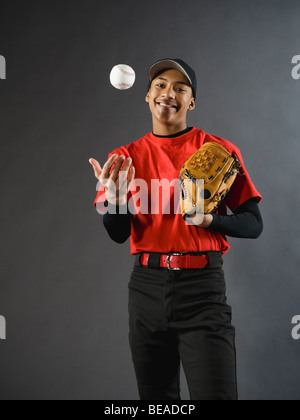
(125, 72)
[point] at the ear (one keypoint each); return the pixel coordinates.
(192, 105)
(147, 99)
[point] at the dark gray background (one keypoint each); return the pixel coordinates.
(63, 287)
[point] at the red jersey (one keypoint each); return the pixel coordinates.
(156, 158)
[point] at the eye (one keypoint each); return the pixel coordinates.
(161, 85)
(180, 90)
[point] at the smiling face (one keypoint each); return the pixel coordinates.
(170, 98)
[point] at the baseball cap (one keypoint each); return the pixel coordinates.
(176, 64)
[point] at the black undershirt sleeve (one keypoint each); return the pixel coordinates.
(118, 225)
(246, 222)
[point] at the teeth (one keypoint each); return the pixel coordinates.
(166, 106)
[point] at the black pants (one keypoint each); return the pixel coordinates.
(182, 316)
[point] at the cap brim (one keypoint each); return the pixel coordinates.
(166, 65)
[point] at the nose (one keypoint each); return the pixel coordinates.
(168, 93)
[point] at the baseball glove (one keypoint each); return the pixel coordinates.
(218, 168)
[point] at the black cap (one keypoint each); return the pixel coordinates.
(176, 64)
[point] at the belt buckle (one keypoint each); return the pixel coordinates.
(173, 254)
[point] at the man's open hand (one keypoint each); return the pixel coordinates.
(116, 186)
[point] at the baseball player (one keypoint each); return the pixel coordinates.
(178, 311)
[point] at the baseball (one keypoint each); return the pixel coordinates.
(122, 77)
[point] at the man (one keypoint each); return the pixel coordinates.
(177, 303)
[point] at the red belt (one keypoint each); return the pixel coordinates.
(178, 261)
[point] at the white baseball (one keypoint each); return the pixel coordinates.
(122, 77)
